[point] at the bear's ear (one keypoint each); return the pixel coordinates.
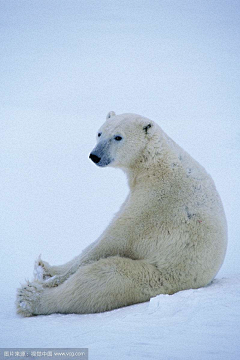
(147, 127)
(110, 114)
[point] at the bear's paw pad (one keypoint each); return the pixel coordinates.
(28, 297)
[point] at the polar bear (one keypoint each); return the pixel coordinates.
(170, 234)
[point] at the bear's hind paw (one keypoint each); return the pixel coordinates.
(28, 297)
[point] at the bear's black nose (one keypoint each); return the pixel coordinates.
(94, 158)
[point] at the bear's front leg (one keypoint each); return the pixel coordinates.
(42, 270)
(56, 280)
(103, 285)
(51, 276)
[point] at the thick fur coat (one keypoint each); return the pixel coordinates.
(169, 235)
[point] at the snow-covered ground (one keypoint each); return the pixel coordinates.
(193, 324)
(64, 65)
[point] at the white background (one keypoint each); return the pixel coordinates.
(64, 64)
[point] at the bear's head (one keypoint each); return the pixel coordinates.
(121, 140)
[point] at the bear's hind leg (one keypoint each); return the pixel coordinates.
(104, 285)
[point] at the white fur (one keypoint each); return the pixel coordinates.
(169, 235)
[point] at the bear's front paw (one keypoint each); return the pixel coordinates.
(54, 281)
(28, 299)
(41, 270)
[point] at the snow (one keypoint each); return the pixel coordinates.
(63, 68)
(199, 324)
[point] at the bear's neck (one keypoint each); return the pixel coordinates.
(156, 161)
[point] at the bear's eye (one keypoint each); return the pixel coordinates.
(99, 134)
(118, 138)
